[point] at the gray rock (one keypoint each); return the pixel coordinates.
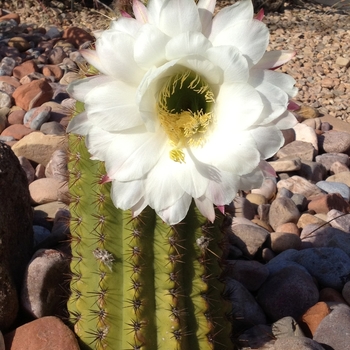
(57, 166)
(247, 236)
(6, 66)
(4, 111)
(5, 100)
(289, 292)
(283, 210)
(28, 168)
(257, 337)
(335, 187)
(333, 330)
(327, 159)
(250, 273)
(263, 212)
(52, 128)
(297, 184)
(286, 327)
(42, 291)
(36, 117)
(312, 171)
(246, 312)
(40, 234)
(346, 292)
(281, 241)
(339, 220)
(243, 208)
(297, 343)
(6, 87)
(300, 201)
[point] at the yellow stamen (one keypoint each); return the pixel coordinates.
(185, 111)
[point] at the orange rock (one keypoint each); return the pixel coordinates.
(44, 333)
(17, 131)
(16, 117)
(288, 227)
(24, 69)
(10, 80)
(53, 70)
(9, 16)
(33, 94)
(325, 202)
(77, 36)
(314, 315)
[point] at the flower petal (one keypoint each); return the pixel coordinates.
(150, 47)
(183, 14)
(250, 37)
(252, 180)
(231, 61)
(138, 207)
(121, 66)
(140, 11)
(274, 59)
(127, 25)
(268, 140)
(206, 9)
(177, 212)
(112, 107)
(79, 124)
(126, 194)
(228, 16)
(206, 207)
(283, 81)
(232, 109)
(185, 44)
(286, 121)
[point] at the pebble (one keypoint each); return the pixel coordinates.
(267, 189)
(335, 142)
(312, 171)
(327, 159)
(306, 133)
(300, 149)
(281, 241)
(45, 190)
(36, 117)
(343, 177)
(297, 184)
(290, 163)
(286, 327)
(323, 203)
(335, 187)
(297, 343)
(313, 316)
(283, 210)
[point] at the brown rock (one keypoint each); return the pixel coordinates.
(10, 16)
(53, 70)
(331, 295)
(297, 184)
(16, 116)
(289, 227)
(45, 190)
(33, 94)
(19, 43)
(327, 83)
(306, 219)
(46, 333)
(323, 203)
(39, 147)
(313, 316)
(56, 55)
(334, 141)
(283, 210)
(298, 149)
(10, 80)
(281, 241)
(343, 177)
(24, 69)
(77, 36)
(18, 131)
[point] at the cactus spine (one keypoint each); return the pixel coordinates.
(138, 283)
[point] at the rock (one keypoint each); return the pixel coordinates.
(308, 219)
(36, 117)
(17, 131)
(10, 16)
(251, 274)
(346, 292)
(327, 159)
(286, 327)
(297, 184)
(6, 87)
(3, 118)
(343, 177)
(6, 66)
(24, 69)
(57, 55)
(281, 241)
(16, 116)
(290, 163)
(256, 199)
(342, 61)
(33, 94)
(247, 236)
(331, 295)
(297, 343)
(38, 147)
(40, 234)
(339, 220)
(335, 142)
(335, 187)
(19, 43)
(43, 286)
(53, 128)
(300, 149)
(77, 36)
(53, 70)
(48, 211)
(44, 333)
(308, 112)
(5, 100)
(306, 134)
(2, 342)
(288, 292)
(69, 77)
(338, 167)
(323, 203)
(267, 189)
(257, 337)
(288, 227)
(16, 231)
(283, 210)
(313, 317)
(243, 208)
(45, 190)
(246, 312)
(57, 166)
(28, 168)
(333, 330)
(8, 297)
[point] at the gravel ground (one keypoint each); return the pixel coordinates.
(319, 34)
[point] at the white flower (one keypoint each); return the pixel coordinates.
(185, 106)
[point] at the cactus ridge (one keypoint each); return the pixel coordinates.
(138, 283)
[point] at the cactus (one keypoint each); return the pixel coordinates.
(138, 283)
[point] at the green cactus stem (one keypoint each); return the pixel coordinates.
(138, 283)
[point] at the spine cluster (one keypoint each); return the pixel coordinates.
(138, 283)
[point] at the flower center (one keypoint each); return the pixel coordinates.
(184, 108)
